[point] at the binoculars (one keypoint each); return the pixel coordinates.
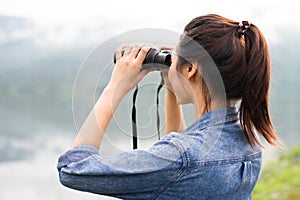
(155, 59)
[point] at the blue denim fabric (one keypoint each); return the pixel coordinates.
(211, 159)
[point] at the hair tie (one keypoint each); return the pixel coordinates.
(243, 27)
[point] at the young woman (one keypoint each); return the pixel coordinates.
(220, 66)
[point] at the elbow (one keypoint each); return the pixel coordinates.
(73, 181)
(65, 179)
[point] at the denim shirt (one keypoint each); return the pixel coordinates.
(211, 159)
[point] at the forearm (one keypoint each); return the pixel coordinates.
(174, 116)
(95, 125)
(125, 76)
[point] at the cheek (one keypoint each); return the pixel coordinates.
(173, 79)
(180, 87)
(176, 85)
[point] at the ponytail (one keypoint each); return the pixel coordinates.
(254, 111)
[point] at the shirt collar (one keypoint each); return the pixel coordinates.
(214, 117)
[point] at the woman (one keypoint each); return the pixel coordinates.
(223, 68)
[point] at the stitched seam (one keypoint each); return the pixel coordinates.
(221, 121)
(229, 161)
(229, 119)
(174, 178)
(167, 186)
(185, 159)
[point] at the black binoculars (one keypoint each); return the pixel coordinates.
(155, 59)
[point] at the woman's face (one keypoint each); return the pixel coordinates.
(179, 83)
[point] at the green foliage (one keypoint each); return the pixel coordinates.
(280, 179)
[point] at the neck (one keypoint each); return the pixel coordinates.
(200, 108)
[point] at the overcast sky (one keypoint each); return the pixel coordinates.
(59, 21)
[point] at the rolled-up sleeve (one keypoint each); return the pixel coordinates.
(137, 174)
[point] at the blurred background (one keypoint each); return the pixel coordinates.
(43, 44)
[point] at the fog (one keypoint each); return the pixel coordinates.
(43, 46)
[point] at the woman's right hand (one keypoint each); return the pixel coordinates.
(164, 76)
(174, 116)
(164, 72)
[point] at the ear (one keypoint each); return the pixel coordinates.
(191, 70)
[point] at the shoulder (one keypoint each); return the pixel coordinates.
(224, 141)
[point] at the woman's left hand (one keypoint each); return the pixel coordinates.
(127, 74)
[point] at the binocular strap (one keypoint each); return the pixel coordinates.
(133, 114)
(133, 118)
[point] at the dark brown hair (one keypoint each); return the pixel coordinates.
(241, 55)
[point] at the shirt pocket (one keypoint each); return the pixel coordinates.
(250, 173)
(246, 173)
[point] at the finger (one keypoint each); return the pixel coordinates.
(119, 53)
(127, 50)
(165, 47)
(142, 55)
(135, 51)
